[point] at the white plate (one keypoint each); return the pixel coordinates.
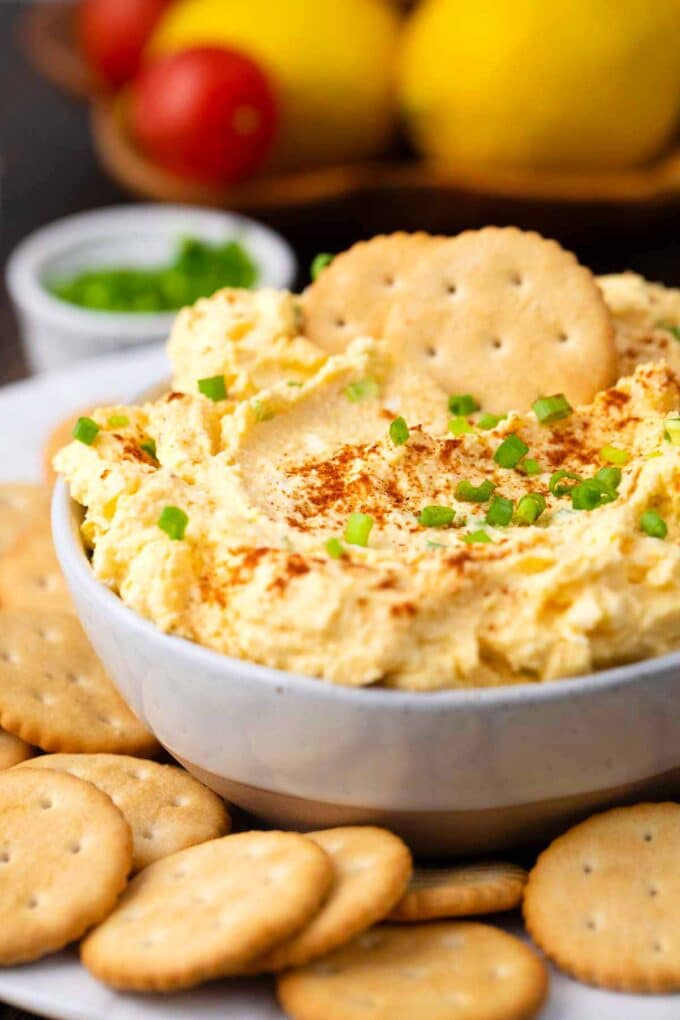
(59, 987)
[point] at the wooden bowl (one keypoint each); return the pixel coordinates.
(397, 184)
(404, 192)
(48, 35)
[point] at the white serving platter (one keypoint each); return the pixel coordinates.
(58, 986)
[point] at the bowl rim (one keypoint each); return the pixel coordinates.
(27, 259)
(71, 553)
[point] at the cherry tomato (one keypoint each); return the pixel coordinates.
(206, 113)
(113, 34)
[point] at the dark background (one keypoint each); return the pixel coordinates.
(49, 170)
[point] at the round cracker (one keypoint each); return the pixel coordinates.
(354, 295)
(501, 313)
(603, 900)
(372, 868)
(209, 911)
(19, 505)
(166, 808)
(444, 971)
(54, 692)
(65, 853)
(30, 575)
(506, 315)
(481, 888)
(13, 750)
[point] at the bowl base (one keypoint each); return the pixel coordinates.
(432, 834)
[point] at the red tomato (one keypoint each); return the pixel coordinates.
(206, 113)
(113, 34)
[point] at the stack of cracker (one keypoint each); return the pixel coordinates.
(101, 843)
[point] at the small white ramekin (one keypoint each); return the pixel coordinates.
(56, 333)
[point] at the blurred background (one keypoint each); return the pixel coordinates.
(333, 120)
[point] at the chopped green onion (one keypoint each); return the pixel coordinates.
(489, 421)
(610, 477)
(670, 328)
(530, 508)
(436, 516)
(213, 387)
(118, 421)
(672, 430)
(197, 269)
(149, 447)
(334, 548)
(469, 493)
(613, 455)
(500, 510)
(552, 409)
(399, 432)
(85, 431)
(462, 403)
(653, 524)
(319, 263)
(590, 494)
(262, 413)
(459, 427)
(436, 545)
(358, 528)
(555, 479)
(173, 522)
(477, 536)
(529, 466)
(293, 382)
(511, 451)
(361, 389)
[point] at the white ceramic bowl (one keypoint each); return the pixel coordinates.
(454, 771)
(55, 332)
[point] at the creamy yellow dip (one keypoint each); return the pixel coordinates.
(267, 476)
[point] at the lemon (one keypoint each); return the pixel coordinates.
(332, 62)
(542, 83)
